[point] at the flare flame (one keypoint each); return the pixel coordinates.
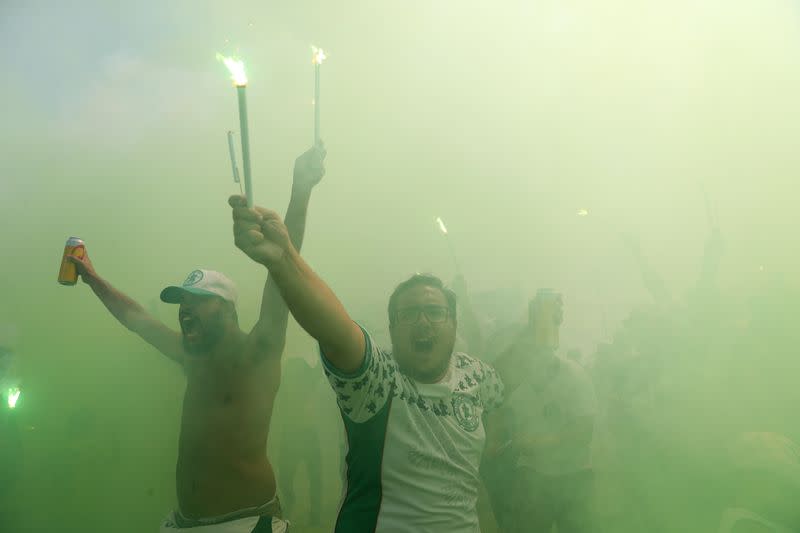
(236, 68)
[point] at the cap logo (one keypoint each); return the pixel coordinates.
(194, 278)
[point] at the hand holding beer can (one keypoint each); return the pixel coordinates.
(68, 274)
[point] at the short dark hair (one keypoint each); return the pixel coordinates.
(427, 280)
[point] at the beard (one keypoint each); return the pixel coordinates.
(208, 335)
(428, 370)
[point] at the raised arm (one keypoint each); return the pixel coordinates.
(309, 169)
(270, 330)
(129, 313)
(652, 281)
(712, 257)
(261, 234)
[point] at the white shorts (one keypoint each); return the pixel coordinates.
(253, 520)
(252, 524)
(733, 515)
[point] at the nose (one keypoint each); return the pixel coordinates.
(423, 324)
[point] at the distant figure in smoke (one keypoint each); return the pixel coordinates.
(414, 418)
(487, 317)
(551, 410)
(298, 437)
(704, 288)
(469, 327)
(87, 440)
(225, 481)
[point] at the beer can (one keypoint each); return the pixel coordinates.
(68, 274)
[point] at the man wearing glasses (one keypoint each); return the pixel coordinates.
(413, 417)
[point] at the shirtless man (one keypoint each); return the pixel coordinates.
(224, 479)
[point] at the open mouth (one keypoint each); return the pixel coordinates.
(190, 327)
(423, 345)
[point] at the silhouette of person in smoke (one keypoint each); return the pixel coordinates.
(549, 416)
(298, 436)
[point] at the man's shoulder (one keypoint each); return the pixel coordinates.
(377, 348)
(463, 362)
(472, 373)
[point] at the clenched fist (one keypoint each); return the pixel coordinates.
(258, 232)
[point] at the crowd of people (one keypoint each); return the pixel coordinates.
(473, 417)
(696, 399)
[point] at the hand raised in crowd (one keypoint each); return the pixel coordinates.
(258, 232)
(84, 267)
(715, 244)
(309, 168)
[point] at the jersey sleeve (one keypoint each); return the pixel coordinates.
(363, 393)
(491, 388)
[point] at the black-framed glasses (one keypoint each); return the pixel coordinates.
(434, 313)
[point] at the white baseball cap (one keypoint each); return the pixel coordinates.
(202, 282)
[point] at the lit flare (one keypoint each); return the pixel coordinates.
(318, 55)
(13, 397)
(236, 68)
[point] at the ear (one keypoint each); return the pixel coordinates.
(230, 309)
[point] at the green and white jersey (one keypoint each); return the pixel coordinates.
(413, 449)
